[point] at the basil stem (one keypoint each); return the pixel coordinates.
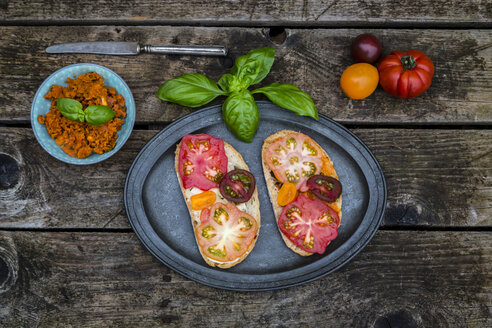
(98, 114)
(290, 97)
(241, 115)
(191, 90)
(253, 67)
(71, 109)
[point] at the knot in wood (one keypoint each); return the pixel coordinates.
(277, 35)
(9, 171)
(399, 318)
(9, 265)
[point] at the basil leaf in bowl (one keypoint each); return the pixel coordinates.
(71, 109)
(98, 114)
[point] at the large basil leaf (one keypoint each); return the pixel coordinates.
(98, 114)
(71, 109)
(254, 66)
(290, 97)
(241, 115)
(191, 90)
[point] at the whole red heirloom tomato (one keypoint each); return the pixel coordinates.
(406, 74)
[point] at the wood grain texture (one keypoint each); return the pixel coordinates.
(257, 12)
(312, 59)
(410, 279)
(434, 177)
(50, 193)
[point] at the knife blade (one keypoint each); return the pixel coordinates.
(133, 48)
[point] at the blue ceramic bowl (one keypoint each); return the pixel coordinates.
(41, 106)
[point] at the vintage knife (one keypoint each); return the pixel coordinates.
(133, 48)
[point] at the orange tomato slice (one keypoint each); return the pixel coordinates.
(202, 200)
(287, 194)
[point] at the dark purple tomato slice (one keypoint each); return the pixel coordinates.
(237, 186)
(325, 188)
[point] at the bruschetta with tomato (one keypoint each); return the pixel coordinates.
(221, 196)
(304, 190)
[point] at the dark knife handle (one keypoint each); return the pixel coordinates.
(186, 50)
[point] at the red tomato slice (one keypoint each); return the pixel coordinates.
(294, 158)
(225, 232)
(309, 223)
(202, 161)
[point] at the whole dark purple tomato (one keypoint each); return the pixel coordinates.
(366, 48)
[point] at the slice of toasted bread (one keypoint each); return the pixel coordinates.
(252, 206)
(273, 189)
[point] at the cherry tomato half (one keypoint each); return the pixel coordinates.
(359, 81)
(325, 188)
(237, 186)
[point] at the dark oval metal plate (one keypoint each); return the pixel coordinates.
(159, 216)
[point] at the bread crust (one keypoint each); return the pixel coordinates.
(273, 190)
(253, 206)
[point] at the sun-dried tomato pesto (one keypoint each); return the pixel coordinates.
(81, 139)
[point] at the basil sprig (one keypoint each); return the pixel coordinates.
(93, 114)
(239, 110)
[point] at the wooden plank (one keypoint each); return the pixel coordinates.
(50, 193)
(434, 177)
(312, 59)
(253, 13)
(402, 278)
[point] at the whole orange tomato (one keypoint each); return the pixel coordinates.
(359, 81)
(406, 74)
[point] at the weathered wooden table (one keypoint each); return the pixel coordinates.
(68, 256)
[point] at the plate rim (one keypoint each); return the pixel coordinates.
(365, 236)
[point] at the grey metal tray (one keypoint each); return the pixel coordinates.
(159, 216)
